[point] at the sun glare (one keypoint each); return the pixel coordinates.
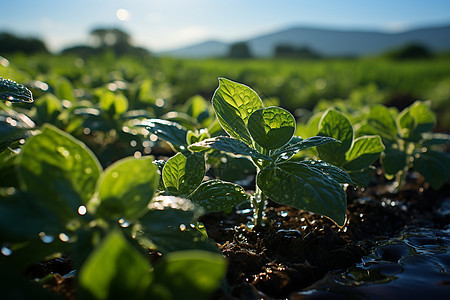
(123, 15)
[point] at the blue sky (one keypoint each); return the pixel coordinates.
(165, 24)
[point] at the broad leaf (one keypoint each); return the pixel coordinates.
(114, 104)
(14, 92)
(364, 152)
(228, 144)
(217, 195)
(126, 187)
(10, 134)
(297, 144)
(362, 177)
(337, 126)
(334, 172)
(381, 121)
(393, 160)
(303, 187)
(167, 225)
(115, 270)
(190, 275)
(271, 127)
(234, 103)
(183, 174)
(59, 171)
(172, 132)
(434, 166)
(415, 120)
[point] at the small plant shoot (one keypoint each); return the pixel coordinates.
(266, 136)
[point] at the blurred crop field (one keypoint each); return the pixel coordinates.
(159, 85)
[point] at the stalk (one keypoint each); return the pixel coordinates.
(259, 200)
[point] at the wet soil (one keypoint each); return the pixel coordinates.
(297, 251)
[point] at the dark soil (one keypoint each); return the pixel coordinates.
(295, 249)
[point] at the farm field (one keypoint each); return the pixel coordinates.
(242, 178)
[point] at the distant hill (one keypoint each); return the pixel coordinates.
(327, 42)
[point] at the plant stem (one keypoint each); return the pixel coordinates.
(259, 204)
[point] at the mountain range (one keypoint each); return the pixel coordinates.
(326, 42)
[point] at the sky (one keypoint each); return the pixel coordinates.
(167, 24)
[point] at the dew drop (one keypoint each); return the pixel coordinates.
(82, 210)
(6, 251)
(46, 238)
(123, 223)
(182, 227)
(63, 237)
(63, 152)
(284, 214)
(114, 174)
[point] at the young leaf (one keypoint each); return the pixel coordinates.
(115, 270)
(363, 153)
(14, 92)
(172, 132)
(217, 195)
(234, 103)
(415, 120)
(228, 144)
(434, 166)
(190, 275)
(183, 174)
(59, 171)
(271, 127)
(337, 126)
(393, 161)
(126, 187)
(167, 225)
(303, 187)
(381, 121)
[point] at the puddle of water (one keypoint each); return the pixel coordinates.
(415, 265)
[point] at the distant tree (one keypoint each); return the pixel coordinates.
(412, 51)
(289, 51)
(111, 39)
(239, 50)
(10, 43)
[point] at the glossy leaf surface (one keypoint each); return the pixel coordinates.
(271, 127)
(234, 103)
(59, 171)
(217, 195)
(303, 187)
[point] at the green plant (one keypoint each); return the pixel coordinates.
(266, 136)
(354, 155)
(409, 142)
(63, 202)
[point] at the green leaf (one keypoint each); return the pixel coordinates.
(303, 187)
(190, 275)
(167, 226)
(362, 177)
(297, 144)
(14, 92)
(60, 171)
(183, 174)
(228, 144)
(434, 166)
(114, 104)
(381, 121)
(126, 187)
(364, 152)
(10, 134)
(393, 161)
(234, 103)
(115, 270)
(271, 127)
(337, 126)
(415, 120)
(172, 132)
(8, 172)
(334, 172)
(217, 195)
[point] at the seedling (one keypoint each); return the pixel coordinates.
(266, 136)
(354, 155)
(410, 143)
